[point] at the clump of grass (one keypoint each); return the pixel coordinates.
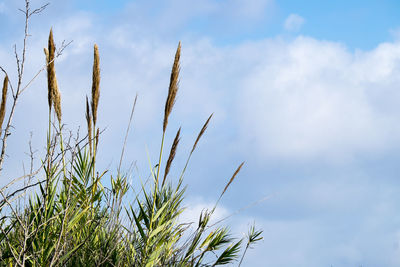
(71, 218)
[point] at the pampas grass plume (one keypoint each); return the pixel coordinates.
(203, 129)
(172, 154)
(54, 96)
(3, 101)
(89, 123)
(233, 178)
(95, 83)
(173, 87)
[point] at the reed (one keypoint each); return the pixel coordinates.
(171, 156)
(203, 129)
(3, 101)
(89, 124)
(54, 96)
(173, 87)
(57, 102)
(95, 83)
(232, 178)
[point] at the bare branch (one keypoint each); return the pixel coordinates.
(38, 10)
(59, 53)
(20, 190)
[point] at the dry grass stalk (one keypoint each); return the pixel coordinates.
(233, 178)
(3, 101)
(172, 154)
(95, 83)
(89, 124)
(173, 87)
(54, 97)
(201, 132)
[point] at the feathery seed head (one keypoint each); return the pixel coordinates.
(173, 87)
(3, 101)
(95, 83)
(233, 177)
(57, 102)
(54, 96)
(172, 154)
(201, 132)
(49, 88)
(89, 123)
(97, 138)
(49, 52)
(46, 52)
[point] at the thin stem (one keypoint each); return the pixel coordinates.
(244, 253)
(94, 188)
(62, 149)
(126, 135)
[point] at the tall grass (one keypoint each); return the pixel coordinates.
(70, 218)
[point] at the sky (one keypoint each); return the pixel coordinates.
(305, 92)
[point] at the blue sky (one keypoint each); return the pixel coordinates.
(306, 92)
(358, 24)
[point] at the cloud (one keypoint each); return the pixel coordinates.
(307, 98)
(195, 207)
(199, 18)
(293, 23)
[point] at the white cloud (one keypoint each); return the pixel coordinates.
(294, 22)
(307, 98)
(195, 207)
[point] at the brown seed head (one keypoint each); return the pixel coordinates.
(233, 177)
(172, 154)
(46, 52)
(51, 74)
(57, 101)
(95, 83)
(54, 96)
(97, 138)
(3, 101)
(201, 132)
(173, 87)
(89, 123)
